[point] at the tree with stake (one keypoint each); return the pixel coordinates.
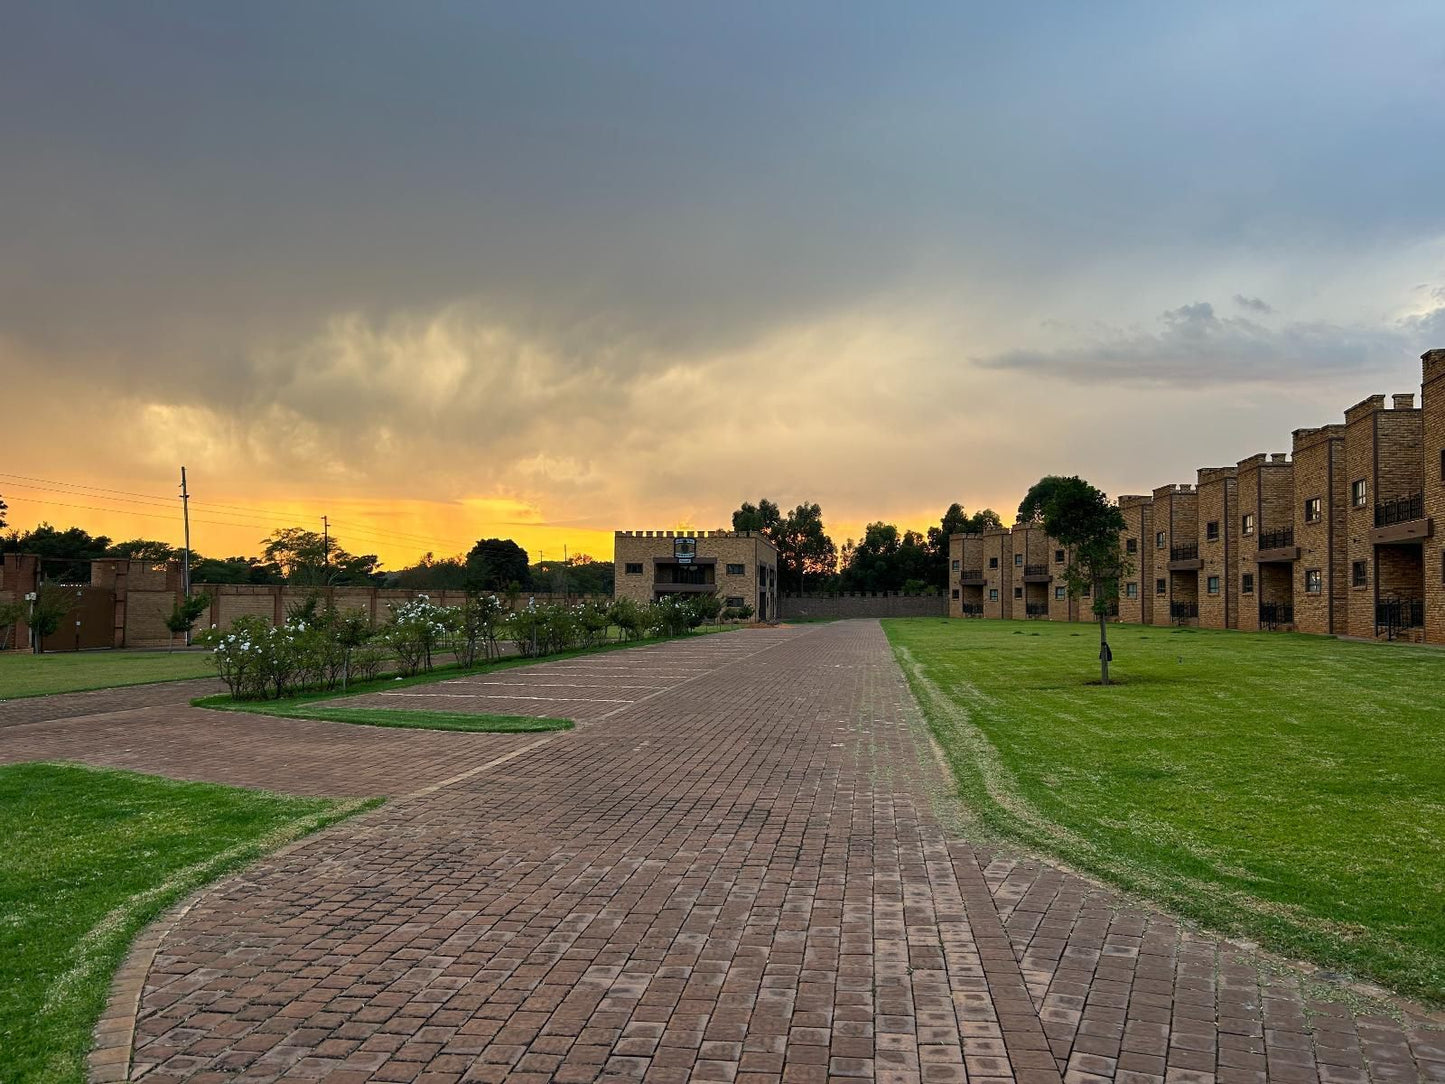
(184, 615)
(48, 608)
(1082, 519)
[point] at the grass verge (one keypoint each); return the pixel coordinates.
(24, 675)
(92, 856)
(415, 719)
(1280, 787)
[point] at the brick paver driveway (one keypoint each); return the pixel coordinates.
(748, 870)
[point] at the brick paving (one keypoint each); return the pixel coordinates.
(752, 873)
(38, 709)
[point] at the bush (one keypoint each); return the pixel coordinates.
(417, 628)
(632, 619)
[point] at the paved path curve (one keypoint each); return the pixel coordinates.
(750, 874)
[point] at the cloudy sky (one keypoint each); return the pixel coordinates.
(546, 270)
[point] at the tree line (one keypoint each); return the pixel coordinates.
(884, 559)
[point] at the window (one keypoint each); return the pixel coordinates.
(1211, 531)
(735, 602)
(1314, 581)
(993, 594)
(1131, 590)
(1314, 511)
(955, 564)
(1246, 584)
(1131, 545)
(993, 562)
(1018, 592)
(1246, 524)
(1060, 593)
(1058, 557)
(737, 570)
(1212, 585)
(634, 568)
(1357, 493)
(1085, 591)
(955, 594)
(1359, 574)
(1158, 540)
(1161, 587)
(1018, 559)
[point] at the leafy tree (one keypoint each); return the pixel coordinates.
(1084, 521)
(184, 614)
(432, 574)
(144, 549)
(954, 521)
(804, 548)
(3, 508)
(884, 560)
(495, 563)
(309, 558)
(763, 517)
(52, 605)
(235, 570)
(10, 613)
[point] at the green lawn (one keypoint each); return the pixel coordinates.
(1286, 788)
(313, 707)
(92, 856)
(23, 674)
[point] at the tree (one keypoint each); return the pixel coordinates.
(432, 574)
(183, 615)
(310, 559)
(143, 549)
(804, 548)
(1084, 521)
(884, 560)
(3, 508)
(235, 570)
(10, 613)
(495, 563)
(763, 518)
(52, 604)
(954, 522)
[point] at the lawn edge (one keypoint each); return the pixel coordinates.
(112, 1046)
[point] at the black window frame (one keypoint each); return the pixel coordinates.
(1315, 505)
(632, 568)
(736, 568)
(1359, 573)
(1246, 583)
(1318, 577)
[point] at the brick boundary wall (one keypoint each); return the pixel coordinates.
(882, 604)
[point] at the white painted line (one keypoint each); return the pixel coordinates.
(566, 685)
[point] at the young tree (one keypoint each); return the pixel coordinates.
(184, 614)
(1084, 521)
(52, 604)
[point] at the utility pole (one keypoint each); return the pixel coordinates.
(564, 573)
(325, 550)
(186, 553)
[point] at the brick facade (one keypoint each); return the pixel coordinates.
(1176, 535)
(1432, 396)
(1320, 471)
(1030, 553)
(1264, 526)
(1217, 534)
(736, 565)
(1137, 606)
(996, 552)
(966, 575)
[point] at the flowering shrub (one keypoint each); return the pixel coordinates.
(417, 628)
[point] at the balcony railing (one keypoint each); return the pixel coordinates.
(1036, 570)
(1036, 609)
(1183, 611)
(1188, 552)
(1274, 614)
(1276, 540)
(973, 609)
(971, 574)
(1394, 614)
(1402, 510)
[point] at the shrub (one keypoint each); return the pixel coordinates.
(417, 628)
(632, 619)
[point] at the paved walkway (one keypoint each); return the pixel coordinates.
(749, 872)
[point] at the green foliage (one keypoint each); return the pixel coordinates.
(52, 605)
(251, 570)
(432, 574)
(3, 509)
(954, 521)
(806, 555)
(143, 549)
(91, 857)
(184, 614)
(494, 564)
(632, 618)
(763, 517)
(886, 561)
(1276, 786)
(310, 558)
(10, 613)
(77, 671)
(66, 555)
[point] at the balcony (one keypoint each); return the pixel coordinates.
(971, 577)
(1036, 574)
(1401, 521)
(1036, 609)
(1275, 546)
(1273, 615)
(1180, 612)
(1185, 558)
(1395, 614)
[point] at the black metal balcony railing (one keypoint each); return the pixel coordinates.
(1276, 540)
(1188, 552)
(1274, 614)
(1394, 614)
(1036, 609)
(973, 609)
(971, 574)
(1036, 570)
(1402, 510)
(1183, 611)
